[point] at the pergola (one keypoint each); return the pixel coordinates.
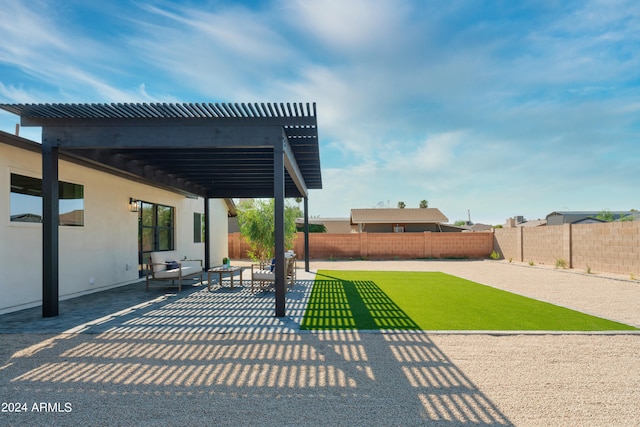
(212, 150)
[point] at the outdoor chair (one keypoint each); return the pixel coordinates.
(263, 274)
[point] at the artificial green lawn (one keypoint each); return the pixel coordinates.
(366, 300)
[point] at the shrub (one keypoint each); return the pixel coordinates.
(560, 263)
(256, 221)
(494, 255)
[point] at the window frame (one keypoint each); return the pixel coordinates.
(199, 227)
(156, 227)
(64, 187)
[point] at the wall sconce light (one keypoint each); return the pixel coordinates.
(134, 205)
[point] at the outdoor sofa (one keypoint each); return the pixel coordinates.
(162, 266)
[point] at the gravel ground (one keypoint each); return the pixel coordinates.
(267, 378)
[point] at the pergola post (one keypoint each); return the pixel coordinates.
(306, 234)
(207, 235)
(50, 232)
(278, 194)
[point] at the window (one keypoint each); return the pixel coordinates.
(198, 227)
(156, 227)
(26, 201)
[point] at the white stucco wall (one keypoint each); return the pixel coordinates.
(219, 229)
(103, 253)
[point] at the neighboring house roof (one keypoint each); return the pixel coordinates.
(520, 221)
(397, 215)
(479, 227)
(572, 217)
(533, 223)
(588, 220)
(75, 217)
(26, 217)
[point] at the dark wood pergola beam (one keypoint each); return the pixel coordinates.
(161, 136)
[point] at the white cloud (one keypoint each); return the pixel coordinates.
(357, 27)
(18, 94)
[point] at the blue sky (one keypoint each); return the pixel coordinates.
(502, 108)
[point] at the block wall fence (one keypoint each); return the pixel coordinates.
(382, 245)
(606, 247)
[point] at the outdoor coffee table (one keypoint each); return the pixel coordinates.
(222, 270)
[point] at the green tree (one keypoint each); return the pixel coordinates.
(257, 226)
(401, 205)
(424, 204)
(605, 215)
(460, 223)
(313, 228)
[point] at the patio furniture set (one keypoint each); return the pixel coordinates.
(162, 267)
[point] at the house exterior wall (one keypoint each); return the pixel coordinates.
(99, 255)
(218, 224)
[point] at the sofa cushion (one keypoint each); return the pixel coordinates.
(157, 261)
(174, 273)
(263, 275)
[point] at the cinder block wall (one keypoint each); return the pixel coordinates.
(505, 242)
(606, 247)
(543, 245)
(383, 245)
(612, 247)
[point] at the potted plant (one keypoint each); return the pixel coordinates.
(226, 262)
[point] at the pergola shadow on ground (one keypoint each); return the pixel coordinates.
(195, 309)
(222, 357)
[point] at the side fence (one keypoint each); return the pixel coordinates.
(607, 247)
(383, 245)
